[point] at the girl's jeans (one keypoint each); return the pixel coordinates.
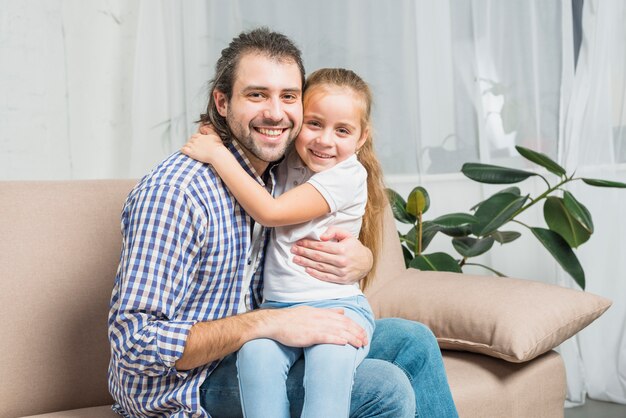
(264, 364)
(402, 376)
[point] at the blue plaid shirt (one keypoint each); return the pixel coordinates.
(185, 244)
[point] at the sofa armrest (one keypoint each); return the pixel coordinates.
(512, 319)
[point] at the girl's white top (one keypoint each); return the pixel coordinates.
(344, 187)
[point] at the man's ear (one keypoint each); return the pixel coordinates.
(221, 102)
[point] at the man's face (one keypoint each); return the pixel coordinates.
(265, 110)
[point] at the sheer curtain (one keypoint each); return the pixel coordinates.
(108, 88)
(593, 138)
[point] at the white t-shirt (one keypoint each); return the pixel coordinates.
(344, 187)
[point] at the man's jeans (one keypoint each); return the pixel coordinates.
(416, 387)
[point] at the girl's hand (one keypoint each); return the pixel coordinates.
(204, 148)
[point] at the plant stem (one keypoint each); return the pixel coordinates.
(419, 233)
(541, 196)
(486, 267)
(519, 222)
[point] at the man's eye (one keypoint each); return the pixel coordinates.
(255, 95)
(290, 97)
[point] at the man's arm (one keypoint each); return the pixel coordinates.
(337, 258)
(300, 204)
(159, 258)
(294, 327)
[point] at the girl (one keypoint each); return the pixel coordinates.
(330, 177)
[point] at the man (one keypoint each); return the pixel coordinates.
(190, 273)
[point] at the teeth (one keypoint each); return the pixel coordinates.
(320, 155)
(270, 132)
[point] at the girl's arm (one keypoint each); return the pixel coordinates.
(300, 204)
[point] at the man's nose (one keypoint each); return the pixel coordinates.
(274, 110)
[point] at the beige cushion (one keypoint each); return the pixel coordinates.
(516, 320)
(489, 387)
(59, 251)
(96, 412)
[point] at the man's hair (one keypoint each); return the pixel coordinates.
(271, 44)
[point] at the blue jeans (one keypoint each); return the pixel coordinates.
(263, 366)
(402, 376)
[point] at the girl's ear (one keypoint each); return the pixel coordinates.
(364, 135)
(221, 102)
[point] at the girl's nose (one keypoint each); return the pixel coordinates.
(324, 138)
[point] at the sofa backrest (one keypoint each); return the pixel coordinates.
(390, 259)
(59, 252)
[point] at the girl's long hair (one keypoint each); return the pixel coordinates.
(371, 227)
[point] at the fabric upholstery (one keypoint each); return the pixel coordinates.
(512, 319)
(59, 252)
(484, 386)
(95, 412)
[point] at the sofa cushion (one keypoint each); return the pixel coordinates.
(95, 412)
(513, 319)
(489, 387)
(59, 251)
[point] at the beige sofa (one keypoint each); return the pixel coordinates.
(58, 257)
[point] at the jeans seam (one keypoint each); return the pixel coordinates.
(408, 376)
(377, 400)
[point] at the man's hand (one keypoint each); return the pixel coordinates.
(337, 258)
(304, 326)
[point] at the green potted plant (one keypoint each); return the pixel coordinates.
(569, 223)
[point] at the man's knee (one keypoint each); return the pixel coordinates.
(402, 333)
(382, 389)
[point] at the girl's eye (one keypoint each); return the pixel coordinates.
(313, 123)
(343, 131)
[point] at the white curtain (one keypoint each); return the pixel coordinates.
(108, 88)
(593, 138)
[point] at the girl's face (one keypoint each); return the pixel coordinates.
(331, 130)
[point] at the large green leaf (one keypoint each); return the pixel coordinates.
(429, 230)
(512, 189)
(562, 253)
(398, 207)
(505, 236)
(408, 238)
(418, 201)
(455, 220)
(561, 221)
(408, 256)
(435, 262)
(496, 211)
(578, 211)
(456, 232)
(493, 174)
(541, 159)
(428, 233)
(605, 183)
(472, 247)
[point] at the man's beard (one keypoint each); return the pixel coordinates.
(266, 154)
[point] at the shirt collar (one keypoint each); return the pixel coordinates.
(241, 157)
(293, 159)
